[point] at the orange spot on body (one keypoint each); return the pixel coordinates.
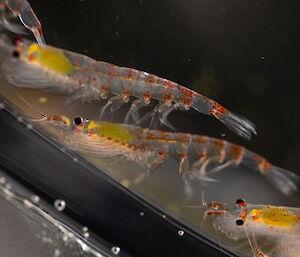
(236, 153)
(243, 214)
(201, 140)
(94, 81)
(161, 136)
(218, 143)
(182, 137)
(264, 166)
(217, 110)
(31, 58)
(217, 148)
(150, 79)
(202, 156)
(215, 205)
(182, 155)
(162, 154)
(214, 213)
(171, 84)
(126, 95)
(103, 91)
(168, 98)
(147, 97)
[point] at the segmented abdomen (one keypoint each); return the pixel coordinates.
(126, 82)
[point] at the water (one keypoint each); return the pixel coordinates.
(218, 50)
(33, 229)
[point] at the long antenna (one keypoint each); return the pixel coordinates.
(44, 117)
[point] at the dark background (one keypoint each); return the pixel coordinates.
(244, 54)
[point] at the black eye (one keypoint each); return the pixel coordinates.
(239, 222)
(17, 41)
(15, 54)
(240, 203)
(78, 121)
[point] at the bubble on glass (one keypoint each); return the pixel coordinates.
(35, 198)
(180, 232)
(84, 247)
(27, 203)
(115, 250)
(85, 233)
(125, 182)
(9, 194)
(42, 100)
(56, 252)
(19, 119)
(75, 159)
(47, 239)
(142, 213)
(60, 205)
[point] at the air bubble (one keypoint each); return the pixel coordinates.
(19, 119)
(115, 250)
(142, 213)
(27, 203)
(75, 159)
(181, 232)
(57, 252)
(35, 198)
(86, 234)
(60, 205)
(84, 247)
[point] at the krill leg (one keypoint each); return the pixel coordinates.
(133, 111)
(150, 168)
(223, 166)
(148, 115)
(183, 171)
(163, 110)
(202, 171)
(116, 105)
(109, 103)
(165, 113)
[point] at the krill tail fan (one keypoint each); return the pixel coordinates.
(238, 124)
(284, 180)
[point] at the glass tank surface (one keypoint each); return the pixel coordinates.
(243, 55)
